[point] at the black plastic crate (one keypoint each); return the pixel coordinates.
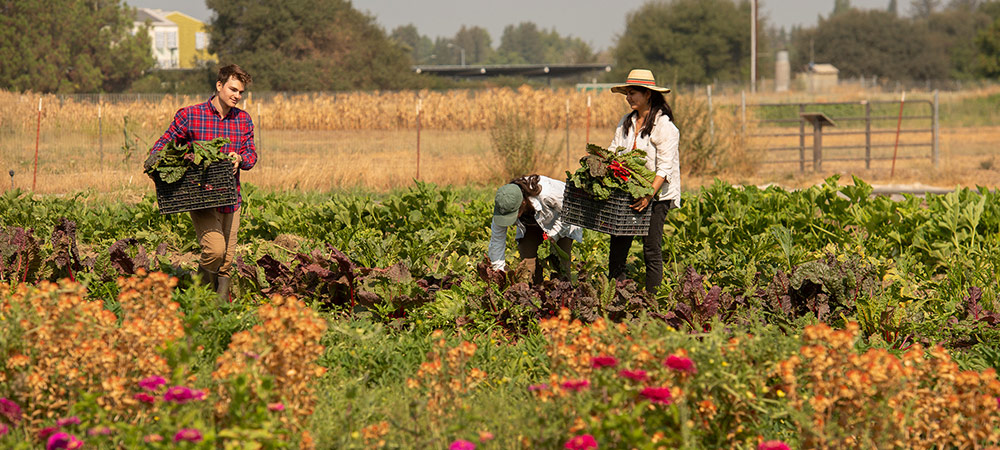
(198, 189)
(613, 216)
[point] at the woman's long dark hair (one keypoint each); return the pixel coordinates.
(656, 103)
(529, 185)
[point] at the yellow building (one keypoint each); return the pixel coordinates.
(192, 40)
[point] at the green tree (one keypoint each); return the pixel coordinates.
(70, 46)
(299, 45)
(476, 42)
(688, 41)
(840, 6)
(893, 8)
(420, 46)
(922, 9)
(988, 46)
(522, 44)
(955, 28)
(871, 42)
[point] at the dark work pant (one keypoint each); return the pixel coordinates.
(527, 248)
(652, 249)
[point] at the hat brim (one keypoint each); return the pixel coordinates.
(622, 88)
(504, 220)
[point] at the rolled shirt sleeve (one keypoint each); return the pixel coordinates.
(248, 149)
(665, 139)
(498, 246)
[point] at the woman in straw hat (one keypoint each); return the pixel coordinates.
(534, 204)
(648, 126)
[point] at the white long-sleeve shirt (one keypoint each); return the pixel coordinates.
(548, 207)
(662, 156)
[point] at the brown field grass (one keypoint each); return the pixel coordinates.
(318, 143)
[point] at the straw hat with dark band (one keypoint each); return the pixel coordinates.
(640, 78)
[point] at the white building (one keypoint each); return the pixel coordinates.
(162, 33)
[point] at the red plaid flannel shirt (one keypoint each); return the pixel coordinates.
(201, 122)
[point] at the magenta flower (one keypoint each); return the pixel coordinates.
(680, 363)
(10, 410)
(575, 385)
(99, 431)
(581, 442)
(276, 407)
(635, 375)
(3, 429)
(462, 444)
(152, 383)
(602, 361)
(773, 445)
(188, 434)
(657, 395)
(144, 398)
(538, 387)
(63, 441)
(183, 394)
(72, 420)
(44, 433)
(150, 438)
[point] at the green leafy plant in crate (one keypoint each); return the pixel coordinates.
(603, 171)
(173, 161)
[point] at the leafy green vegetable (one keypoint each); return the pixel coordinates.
(602, 171)
(173, 161)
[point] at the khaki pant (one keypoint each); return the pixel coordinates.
(216, 233)
(527, 247)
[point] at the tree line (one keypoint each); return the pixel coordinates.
(314, 45)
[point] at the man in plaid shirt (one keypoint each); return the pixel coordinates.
(218, 117)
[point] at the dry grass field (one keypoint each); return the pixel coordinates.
(368, 141)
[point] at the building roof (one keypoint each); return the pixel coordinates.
(826, 69)
(155, 16)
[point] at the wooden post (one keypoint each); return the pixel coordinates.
(802, 139)
(260, 122)
(817, 147)
(38, 133)
(419, 101)
(935, 134)
(567, 133)
(868, 134)
(100, 133)
(711, 117)
(588, 119)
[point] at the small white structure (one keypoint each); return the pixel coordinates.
(782, 72)
(162, 33)
(819, 77)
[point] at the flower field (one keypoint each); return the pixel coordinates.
(818, 318)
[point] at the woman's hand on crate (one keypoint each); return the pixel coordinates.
(642, 203)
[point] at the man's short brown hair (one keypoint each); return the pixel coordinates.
(233, 70)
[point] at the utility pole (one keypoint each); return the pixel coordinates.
(753, 46)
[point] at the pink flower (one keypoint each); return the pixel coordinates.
(3, 429)
(152, 383)
(635, 375)
(44, 433)
(188, 434)
(680, 363)
(183, 394)
(150, 438)
(72, 420)
(773, 445)
(598, 362)
(657, 395)
(575, 385)
(63, 440)
(144, 398)
(485, 436)
(99, 431)
(275, 407)
(538, 387)
(462, 444)
(581, 442)
(10, 410)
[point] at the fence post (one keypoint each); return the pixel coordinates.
(419, 102)
(711, 118)
(743, 112)
(260, 129)
(38, 133)
(802, 138)
(868, 134)
(588, 119)
(935, 136)
(567, 132)
(100, 133)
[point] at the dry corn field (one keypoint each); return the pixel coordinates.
(369, 140)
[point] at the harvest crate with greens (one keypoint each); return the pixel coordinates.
(193, 176)
(599, 194)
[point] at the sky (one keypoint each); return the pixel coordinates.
(597, 22)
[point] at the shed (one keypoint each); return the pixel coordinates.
(819, 77)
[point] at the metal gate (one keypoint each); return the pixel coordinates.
(886, 127)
